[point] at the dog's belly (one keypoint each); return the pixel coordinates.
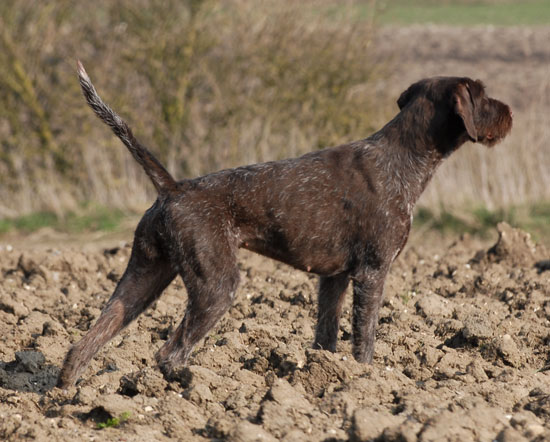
(321, 261)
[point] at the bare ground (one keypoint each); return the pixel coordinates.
(462, 345)
(462, 352)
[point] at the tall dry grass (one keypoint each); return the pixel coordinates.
(207, 84)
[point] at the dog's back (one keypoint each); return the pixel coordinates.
(343, 213)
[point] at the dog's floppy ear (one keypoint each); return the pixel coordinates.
(464, 107)
(407, 96)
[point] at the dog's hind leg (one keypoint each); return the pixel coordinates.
(142, 283)
(332, 292)
(211, 280)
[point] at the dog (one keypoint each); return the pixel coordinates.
(343, 213)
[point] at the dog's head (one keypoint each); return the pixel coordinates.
(466, 110)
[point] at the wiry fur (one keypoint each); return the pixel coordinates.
(343, 213)
(160, 177)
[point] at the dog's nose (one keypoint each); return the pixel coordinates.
(510, 111)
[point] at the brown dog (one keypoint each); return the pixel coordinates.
(343, 213)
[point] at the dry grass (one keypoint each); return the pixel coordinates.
(210, 84)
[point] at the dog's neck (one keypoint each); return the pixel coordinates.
(410, 163)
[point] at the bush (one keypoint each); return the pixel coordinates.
(208, 84)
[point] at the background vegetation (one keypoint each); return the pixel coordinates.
(207, 84)
(210, 84)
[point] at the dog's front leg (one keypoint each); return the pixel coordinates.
(332, 290)
(368, 291)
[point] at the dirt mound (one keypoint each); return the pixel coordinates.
(462, 353)
(515, 247)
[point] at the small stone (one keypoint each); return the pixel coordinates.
(477, 328)
(14, 308)
(31, 361)
(431, 356)
(51, 328)
(432, 305)
(287, 396)
(30, 268)
(510, 435)
(198, 394)
(85, 395)
(475, 368)
(533, 430)
(245, 431)
(368, 424)
(508, 349)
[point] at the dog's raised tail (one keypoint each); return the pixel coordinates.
(160, 177)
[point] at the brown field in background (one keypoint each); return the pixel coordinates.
(514, 64)
(211, 84)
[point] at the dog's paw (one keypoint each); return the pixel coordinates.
(182, 375)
